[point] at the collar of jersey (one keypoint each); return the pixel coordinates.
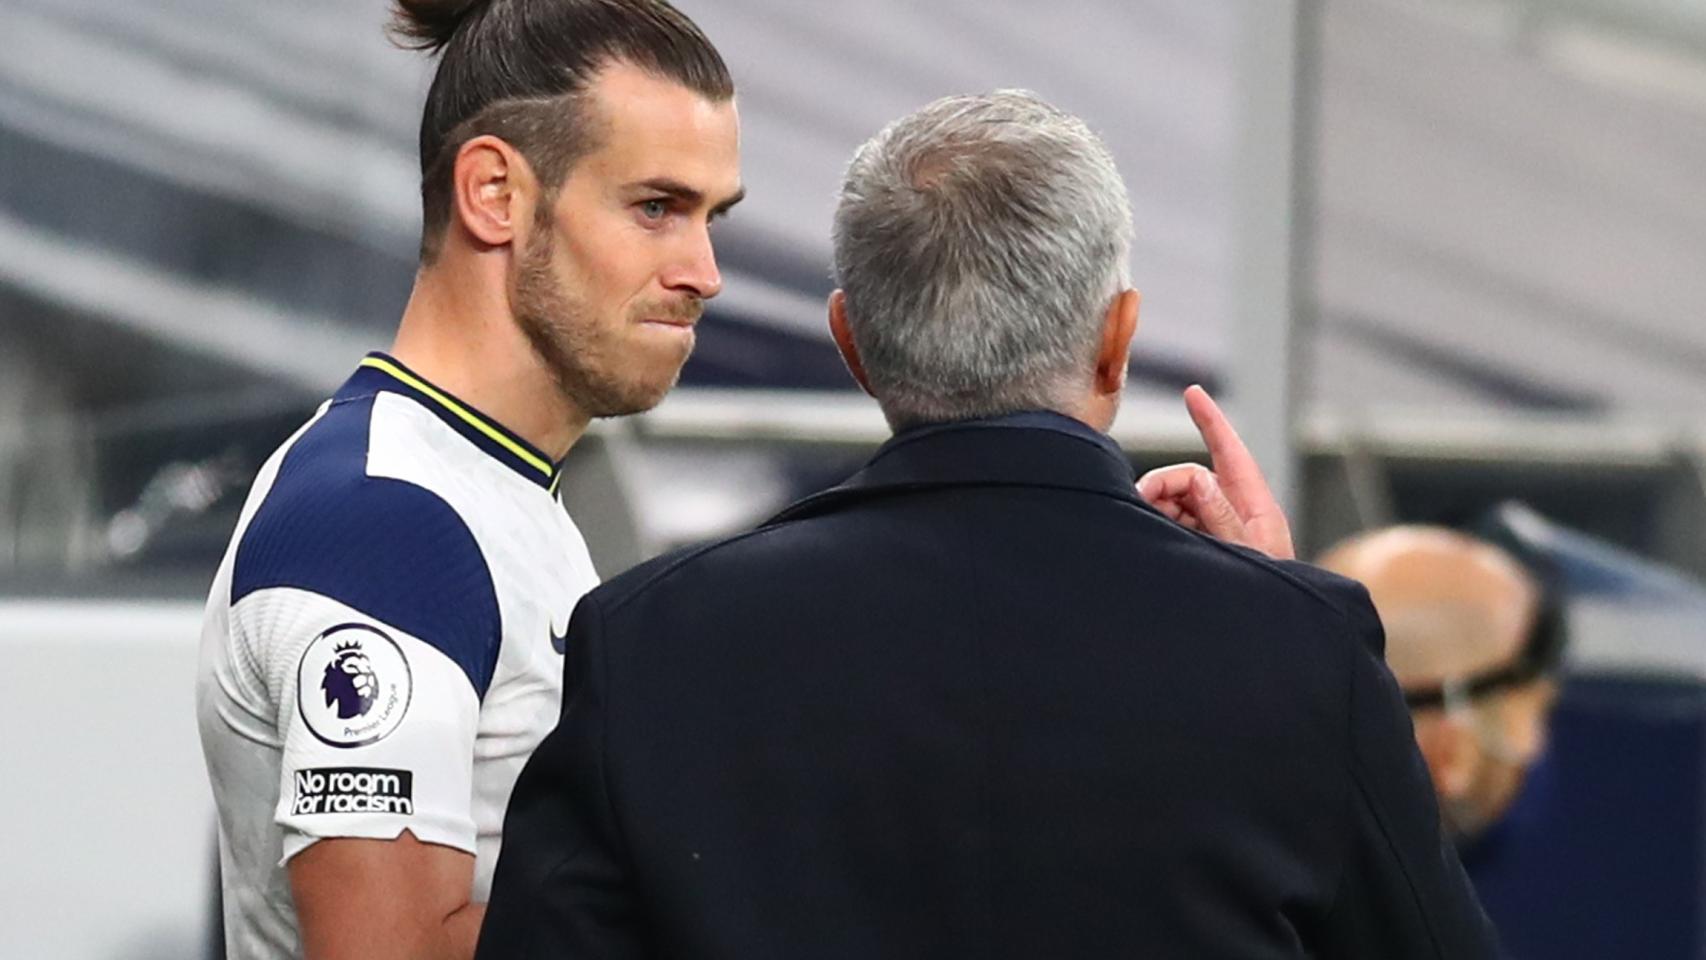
(381, 372)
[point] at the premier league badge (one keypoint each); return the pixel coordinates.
(350, 682)
(353, 685)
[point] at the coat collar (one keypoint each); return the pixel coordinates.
(1023, 451)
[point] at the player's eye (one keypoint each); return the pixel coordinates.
(654, 209)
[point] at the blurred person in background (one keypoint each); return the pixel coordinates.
(1475, 634)
(1469, 638)
(980, 700)
(383, 642)
(1474, 638)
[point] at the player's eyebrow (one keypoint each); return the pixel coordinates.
(729, 203)
(688, 196)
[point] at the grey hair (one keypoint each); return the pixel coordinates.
(979, 243)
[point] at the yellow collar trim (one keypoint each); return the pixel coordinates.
(472, 419)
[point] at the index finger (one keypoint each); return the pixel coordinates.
(1240, 477)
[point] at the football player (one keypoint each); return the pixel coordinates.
(383, 641)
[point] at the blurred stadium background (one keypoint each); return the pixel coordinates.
(1435, 255)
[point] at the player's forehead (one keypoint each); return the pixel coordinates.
(655, 129)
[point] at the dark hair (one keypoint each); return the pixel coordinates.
(516, 69)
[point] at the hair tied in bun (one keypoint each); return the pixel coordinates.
(429, 25)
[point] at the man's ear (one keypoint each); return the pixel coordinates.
(1119, 325)
(844, 340)
(493, 191)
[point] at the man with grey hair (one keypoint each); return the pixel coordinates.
(980, 699)
(984, 241)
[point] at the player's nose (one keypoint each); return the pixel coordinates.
(695, 270)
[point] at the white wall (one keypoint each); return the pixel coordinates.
(107, 847)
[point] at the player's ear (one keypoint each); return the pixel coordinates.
(493, 191)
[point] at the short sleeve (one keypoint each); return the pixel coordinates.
(377, 726)
(367, 607)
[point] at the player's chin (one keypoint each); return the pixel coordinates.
(649, 387)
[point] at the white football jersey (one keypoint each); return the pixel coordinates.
(383, 644)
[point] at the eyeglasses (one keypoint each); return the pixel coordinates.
(1541, 653)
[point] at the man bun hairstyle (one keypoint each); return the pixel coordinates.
(428, 25)
(519, 69)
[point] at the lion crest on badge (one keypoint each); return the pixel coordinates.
(350, 682)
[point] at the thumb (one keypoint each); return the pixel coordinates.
(1214, 511)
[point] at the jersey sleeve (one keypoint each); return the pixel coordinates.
(371, 614)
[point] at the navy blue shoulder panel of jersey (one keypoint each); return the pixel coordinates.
(390, 549)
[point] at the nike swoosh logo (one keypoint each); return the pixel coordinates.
(559, 641)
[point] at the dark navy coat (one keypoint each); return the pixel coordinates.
(978, 701)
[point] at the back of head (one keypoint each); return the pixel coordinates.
(978, 242)
(516, 69)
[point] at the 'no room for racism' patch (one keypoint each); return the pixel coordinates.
(354, 790)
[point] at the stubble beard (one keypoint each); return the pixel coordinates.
(564, 334)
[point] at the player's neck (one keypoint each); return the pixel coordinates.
(458, 333)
